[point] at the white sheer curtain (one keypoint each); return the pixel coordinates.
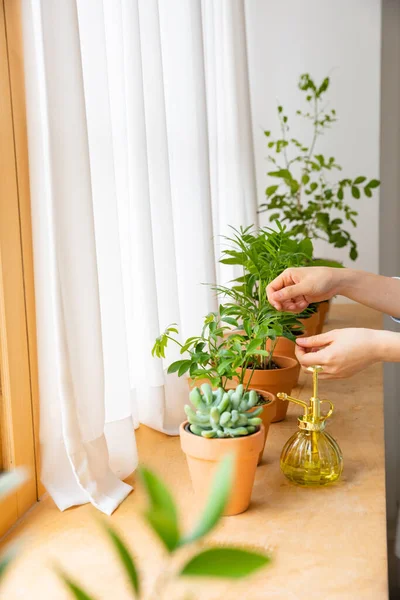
(140, 156)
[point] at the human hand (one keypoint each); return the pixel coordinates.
(341, 352)
(295, 288)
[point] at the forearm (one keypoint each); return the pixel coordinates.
(375, 291)
(387, 346)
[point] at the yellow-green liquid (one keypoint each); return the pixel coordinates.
(311, 458)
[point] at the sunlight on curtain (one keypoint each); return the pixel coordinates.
(140, 156)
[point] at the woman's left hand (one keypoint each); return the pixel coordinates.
(341, 352)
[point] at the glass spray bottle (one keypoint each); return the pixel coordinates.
(311, 457)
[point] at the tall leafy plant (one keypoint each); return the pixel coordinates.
(187, 557)
(262, 255)
(302, 192)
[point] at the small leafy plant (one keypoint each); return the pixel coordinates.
(220, 414)
(220, 354)
(204, 562)
(302, 195)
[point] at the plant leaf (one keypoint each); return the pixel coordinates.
(355, 192)
(74, 588)
(217, 500)
(271, 190)
(125, 558)
(374, 183)
(230, 563)
(162, 514)
(175, 366)
(254, 345)
(230, 320)
(359, 180)
(11, 480)
(6, 558)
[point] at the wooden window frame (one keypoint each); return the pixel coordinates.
(19, 395)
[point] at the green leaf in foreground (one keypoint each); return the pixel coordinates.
(125, 558)
(217, 500)
(5, 560)
(162, 514)
(231, 563)
(75, 590)
(11, 480)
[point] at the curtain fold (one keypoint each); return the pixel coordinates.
(141, 155)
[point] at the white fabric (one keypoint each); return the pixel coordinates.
(140, 156)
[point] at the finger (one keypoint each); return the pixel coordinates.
(315, 341)
(277, 284)
(295, 306)
(288, 292)
(309, 359)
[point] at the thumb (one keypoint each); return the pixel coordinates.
(314, 341)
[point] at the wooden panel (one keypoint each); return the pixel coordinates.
(16, 400)
(16, 69)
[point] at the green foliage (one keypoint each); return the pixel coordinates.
(76, 591)
(220, 414)
(125, 559)
(216, 503)
(221, 354)
(233, 563)
(303, 196)
(9, 482)
(262, 255)
(162, 515)
(222, 562)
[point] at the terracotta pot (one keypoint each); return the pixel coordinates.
(197, 383)
(276, 380)
(203, 456)
(283, 347)
(323, 310)
(310, 324)
(268, 413)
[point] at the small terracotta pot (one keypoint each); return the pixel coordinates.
(323, 311)
(283, 347)
(268, 413)
(198, 383)
(276, 380)
(203, 456)
(310, 324)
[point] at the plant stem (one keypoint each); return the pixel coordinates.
(251, 377)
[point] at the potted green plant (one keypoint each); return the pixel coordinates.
(219, 356)
(301, 193)
(263, 254)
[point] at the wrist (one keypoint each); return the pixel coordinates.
(386, 346)
(344, 280)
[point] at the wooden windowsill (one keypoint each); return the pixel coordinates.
(327, 543)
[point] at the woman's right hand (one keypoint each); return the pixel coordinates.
(295, 288)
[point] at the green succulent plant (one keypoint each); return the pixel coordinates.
(221, 414)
